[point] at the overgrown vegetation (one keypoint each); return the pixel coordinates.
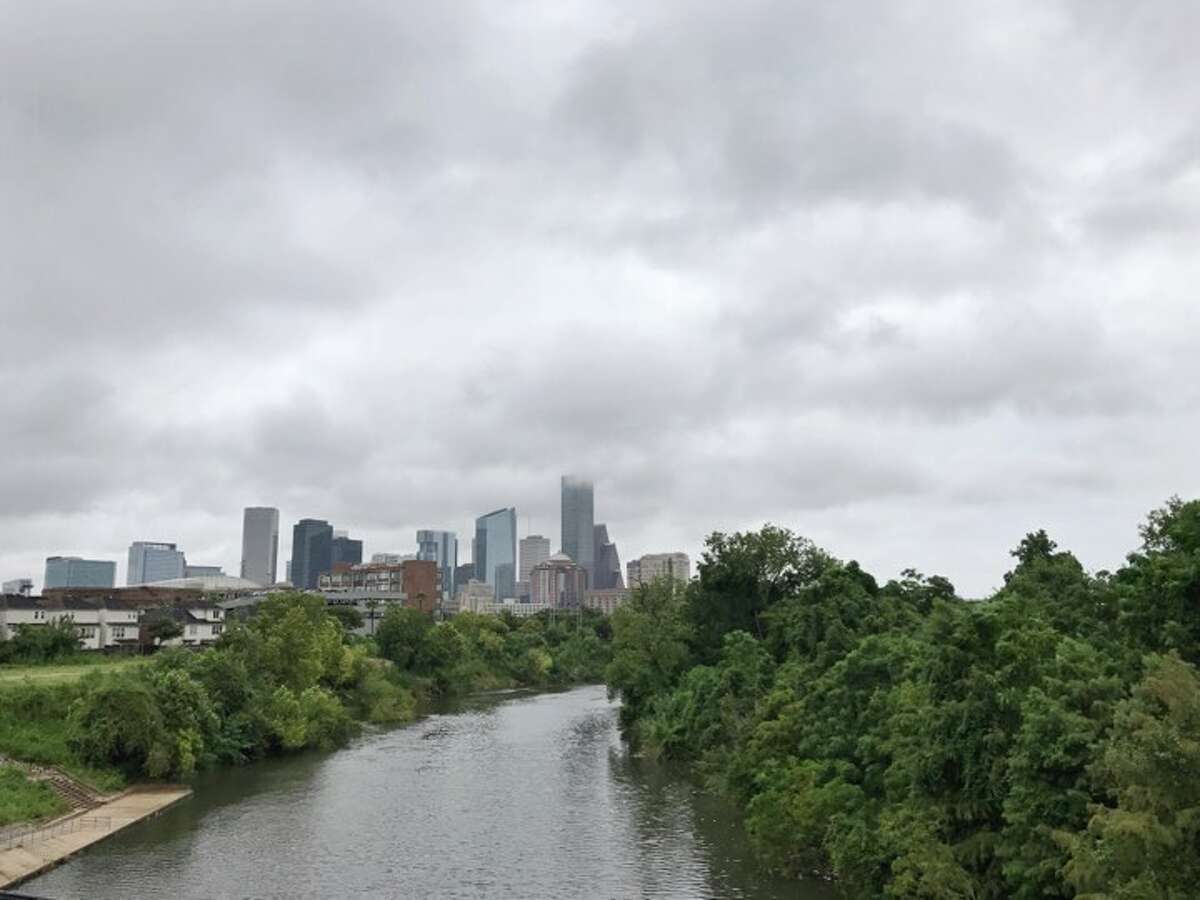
(289, 678)
(478, 652)
(54, 641)
(1043, 743)
(24, 800)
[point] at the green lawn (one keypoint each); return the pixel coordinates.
(59, 673)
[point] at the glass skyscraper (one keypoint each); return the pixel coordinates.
(578, 524)
(151, 561)
(442, 548)
(495, 550)
(71, 571)
(312, 552)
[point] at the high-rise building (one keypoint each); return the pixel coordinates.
(71, 571)
(22, 586)
(442, 548)
(344, 551)
(656, 565)
(535, 550)
(312, 552)
(559, 582)
(578, 521)
(260, 544)
(495, 545)
(463, 574)
(151, 561)
(608, 563)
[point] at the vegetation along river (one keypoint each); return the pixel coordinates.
(520, 795)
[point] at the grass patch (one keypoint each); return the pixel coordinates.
(61, 672)
(23, 800)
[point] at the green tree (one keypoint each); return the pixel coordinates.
(650, 646)
(1147, 844)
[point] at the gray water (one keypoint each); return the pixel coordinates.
(522, 796)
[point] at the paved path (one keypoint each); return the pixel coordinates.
(47, 847)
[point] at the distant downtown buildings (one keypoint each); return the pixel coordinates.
(608, 564)
(657, 565)
(494, 551)
(440, 547)
(71, 571)
(312, 552)
(586, 569)
(151, 561)
(578, 523)
(260, 544)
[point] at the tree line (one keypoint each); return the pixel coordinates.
(289, 677)
(1044, 742)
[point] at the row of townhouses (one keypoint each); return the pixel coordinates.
(115, 622)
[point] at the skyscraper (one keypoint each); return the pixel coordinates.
(495, 546)
(151, 561)
(71, 571)
(578, 520)
(535, 550)
(344, 550)
(312, 552)
(442, 548)
(608, 563)
(260, 544)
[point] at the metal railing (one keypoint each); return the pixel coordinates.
(70, 825)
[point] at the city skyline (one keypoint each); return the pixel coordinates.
(935, 311)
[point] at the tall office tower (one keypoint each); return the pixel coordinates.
(260, 544)
(463, 574)
(656, 565)
(21, 586)
(71, 571)
(608, 563)
(495, 545)
(442, 548)
(154, 561)
(535, 550)
(578, 521)
(312, 552)
(344, 550)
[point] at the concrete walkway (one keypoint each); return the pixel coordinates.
(48, 846)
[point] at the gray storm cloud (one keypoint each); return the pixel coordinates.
(912, 280)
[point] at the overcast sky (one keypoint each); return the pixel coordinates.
(909, 278)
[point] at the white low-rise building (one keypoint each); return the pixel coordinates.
(30, 612)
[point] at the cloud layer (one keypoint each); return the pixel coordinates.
(910, 279)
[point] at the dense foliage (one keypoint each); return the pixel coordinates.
(1042, 743)
(40, 644)
(286, 679)
(478, 652)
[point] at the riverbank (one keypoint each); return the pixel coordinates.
(29, 853)
(529, 795)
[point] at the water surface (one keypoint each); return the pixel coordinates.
(522, 796)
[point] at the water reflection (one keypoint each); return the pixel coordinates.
(528, 796)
